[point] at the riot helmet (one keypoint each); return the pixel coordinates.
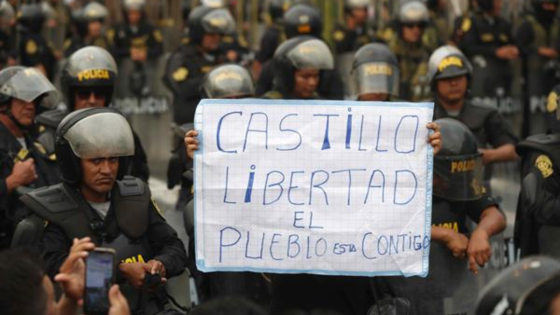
(7, 12)
(213, 3)
(277, 8)
(92, 133)
(27, 84)
(301, 52)
(545, 10)
(458, 168)
(134, 5)
(87, 69)
(524, 288)
(208, 20)
(302, 19)
(375, 69)
(356, 4)
(32, 17)
(486, 5)
(413, 12)
(448, 62)
(228, 81)
(94, 11)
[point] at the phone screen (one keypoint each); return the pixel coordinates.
(99, 276)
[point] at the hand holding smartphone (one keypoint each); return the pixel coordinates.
(99, 277)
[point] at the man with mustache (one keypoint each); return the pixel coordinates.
(23, 162)
(96, 200)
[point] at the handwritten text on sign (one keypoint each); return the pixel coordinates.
(313, 186)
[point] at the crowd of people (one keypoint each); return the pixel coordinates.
(75, 174)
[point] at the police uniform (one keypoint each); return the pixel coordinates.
(34, 50)
(449, 278)
(144, 36)
(270, 40)
(483, 35)
(183, 76)
(346, 40)
(537, 220)
(413, 65)
(12, 151)
(552, 123)
(75, 43)
(485, 122)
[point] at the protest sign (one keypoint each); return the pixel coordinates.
(323, 187)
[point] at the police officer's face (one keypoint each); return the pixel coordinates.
(134, 17)
(412, 32)
(23, 112)
(306, 82)
(452, 89)
(497, 7)
(555, 305)
(85, 98)
(211, 42)
(94, 28)
(99, 176)
(374, 97)
(360, 15)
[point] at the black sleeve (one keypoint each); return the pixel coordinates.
(139, 161)
(498, 131)
(165, 243)
(56, 246)
(524, 38)
(269, 43)
(265, 81)
(475, 208)
(471, 45)
(183, 88)
(6, 166)
(546, 209)
(155, 45)
(120, 46)
(331, 86)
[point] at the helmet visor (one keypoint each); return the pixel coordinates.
(91, 62)
(312, 54)
(229, 81)
(29, 84)
(377, 77)
(459, 178)
(101, 136)
(218, 21)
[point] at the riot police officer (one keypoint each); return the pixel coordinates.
(353, 32)
(528, 287)
(297, 64)
(450, 75)
(302, 19)
(449, 287)
(536, 222)
(89, 29)
(114, 210)
(33, 49)
(538, 40)
(272, 36)
(25, 163)
(488, 43)
(411, 52)
(88, 80)
(189, 63)
(375, 71)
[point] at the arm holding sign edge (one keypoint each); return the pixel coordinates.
(434, 139)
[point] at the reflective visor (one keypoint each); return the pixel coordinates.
(459, 178)
(218, 21)
(312, 54)
(100, 136)
(28, 84)
(377, 77)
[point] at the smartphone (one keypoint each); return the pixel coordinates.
(100, 275)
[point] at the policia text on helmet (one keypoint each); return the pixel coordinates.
(375, 70)
(88, 79)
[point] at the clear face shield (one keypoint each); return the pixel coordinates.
(218, 21)
(312, 54)
(101, 136)
(459, 178)
(376, 78)
(28, 84)
(228, 82)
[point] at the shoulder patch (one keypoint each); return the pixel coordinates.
(487, 37)
(552, 102)
(180, 74)
(111, 35)
(40, 148)
(466, 25)
(544, 164)
(157, 36)
(338, 35)
(31, 47)
(205, 69)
